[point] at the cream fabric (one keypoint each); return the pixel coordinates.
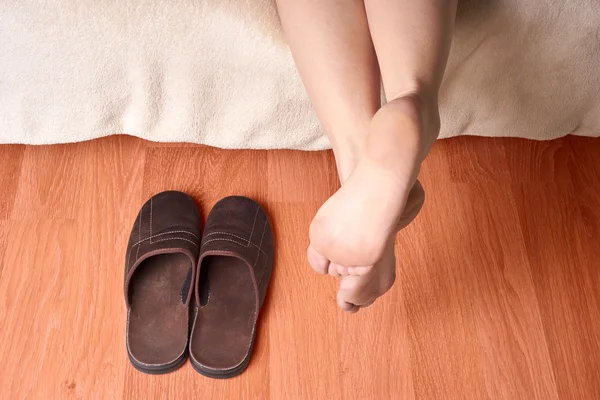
(218, 72)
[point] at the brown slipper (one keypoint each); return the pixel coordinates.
(159, 269)
(236, 260)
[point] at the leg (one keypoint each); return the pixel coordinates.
(334, 54)
(412, 40)
(332, 48)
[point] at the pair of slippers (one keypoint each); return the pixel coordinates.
(223, 271)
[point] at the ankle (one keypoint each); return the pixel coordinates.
(401, 135)
(348, 154)
(422, 106)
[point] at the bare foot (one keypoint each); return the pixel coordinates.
(353, 232)
(361, 288)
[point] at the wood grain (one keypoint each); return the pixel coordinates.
(12, 157)
(497, 296)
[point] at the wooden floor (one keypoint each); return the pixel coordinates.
(498, 290)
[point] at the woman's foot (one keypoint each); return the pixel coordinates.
(357, 291)
(353, 233)
(360, 286)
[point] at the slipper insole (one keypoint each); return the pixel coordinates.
(224, 327)
(158, 319)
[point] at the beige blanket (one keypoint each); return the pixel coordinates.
(218, 72)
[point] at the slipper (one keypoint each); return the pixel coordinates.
(236, 261)
(159, 269)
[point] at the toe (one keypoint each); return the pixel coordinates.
(342, 270)
(337, 269)
(356, 290)
(333, 269)
(361, 270)
(348, 307)
(317, 261)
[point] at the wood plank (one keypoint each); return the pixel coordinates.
(564, 266)
(467, 255)
(474, 159)
(109, 200)
(62, 280)
(304, 338)
(296, 176)
(50, 181)
(4, 231)
(12, 158)
(38, 308)
(207, 174)
(536, 162)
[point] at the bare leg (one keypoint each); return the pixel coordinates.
(354, 230)
(334, 54)
(412, 41)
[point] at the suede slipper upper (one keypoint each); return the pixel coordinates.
(236, 261)
(159, 270)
